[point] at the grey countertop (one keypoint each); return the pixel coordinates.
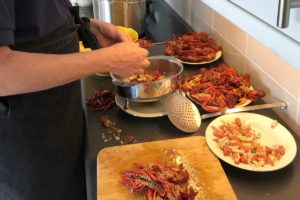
(276, 185)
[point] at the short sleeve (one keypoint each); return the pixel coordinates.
(7, 22)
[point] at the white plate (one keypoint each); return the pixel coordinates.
(218, 55)
(269, 136)
(143, 109)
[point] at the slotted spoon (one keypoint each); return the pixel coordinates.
(183, 113)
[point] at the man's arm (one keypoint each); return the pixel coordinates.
(22, 72)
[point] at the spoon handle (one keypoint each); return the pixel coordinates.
(282, 106)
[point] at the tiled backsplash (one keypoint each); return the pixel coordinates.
(268, 72)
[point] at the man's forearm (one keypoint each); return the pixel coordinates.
(22, 72)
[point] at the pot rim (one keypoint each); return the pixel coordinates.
(118, 82)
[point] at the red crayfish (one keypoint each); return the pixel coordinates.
(219, 88)
(161, 181)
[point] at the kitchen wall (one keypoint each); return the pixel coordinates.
(268, 71)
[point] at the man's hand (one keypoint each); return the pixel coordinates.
(107, 34)
(125, 59)
(122, 56)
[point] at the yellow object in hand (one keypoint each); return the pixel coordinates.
(133, 34)
(81, 47)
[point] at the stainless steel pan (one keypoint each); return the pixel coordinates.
(167, 66)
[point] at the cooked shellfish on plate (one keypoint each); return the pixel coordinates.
(218, 55)
(194, 48)
(220, 88)
(253, 142)
(242, 103)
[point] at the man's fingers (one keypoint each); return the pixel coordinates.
(126, 74)
(140, 71)
(145, 52)
(145, 64)
(126, 38)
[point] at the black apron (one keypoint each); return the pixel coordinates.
(41, 134)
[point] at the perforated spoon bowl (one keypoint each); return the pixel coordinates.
(183, 113)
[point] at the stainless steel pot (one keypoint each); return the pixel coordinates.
(128, 13)
(167, 66)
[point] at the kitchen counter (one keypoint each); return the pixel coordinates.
(161, 24)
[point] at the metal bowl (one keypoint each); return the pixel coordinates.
(167, 66)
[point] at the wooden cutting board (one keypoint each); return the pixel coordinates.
(206, 172)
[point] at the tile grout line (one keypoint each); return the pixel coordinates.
(205, 22)
(246, 51)
(297, 116)
(281, 86)
(212, 20)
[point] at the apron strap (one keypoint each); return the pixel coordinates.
(88, 39)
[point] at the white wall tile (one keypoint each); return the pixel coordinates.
(181, 7)
(231, 55)
(274, 93)
(230, 31)
(201, 10)
(195, 13)
(298, 117)
(198, 25)
(278, 69)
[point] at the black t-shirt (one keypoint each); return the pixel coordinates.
(27, 20)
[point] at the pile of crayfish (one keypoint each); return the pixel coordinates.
(144, 43)
(101, 100)
(193, 47)
(147, 76)
(159, 181)
(219, 88)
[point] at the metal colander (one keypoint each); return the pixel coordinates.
(183, 113)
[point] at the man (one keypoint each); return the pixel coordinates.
(41, 118)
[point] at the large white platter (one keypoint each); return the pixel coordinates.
(269, 136)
